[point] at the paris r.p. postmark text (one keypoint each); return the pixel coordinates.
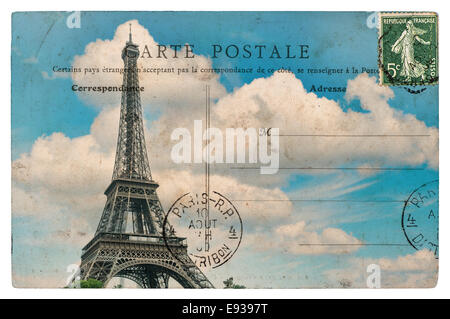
(210, 223)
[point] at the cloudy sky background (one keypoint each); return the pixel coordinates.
(64, 145)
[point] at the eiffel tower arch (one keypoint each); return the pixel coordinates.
(142, 259)
(129, 240)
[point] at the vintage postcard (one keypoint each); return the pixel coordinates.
(225, 149)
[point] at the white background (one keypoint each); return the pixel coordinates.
(7, 291)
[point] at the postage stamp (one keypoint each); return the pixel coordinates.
(212, 225)
(420, 218)
(408, 48)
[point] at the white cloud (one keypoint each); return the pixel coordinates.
(176, 183)
(63, 165)
(338, 185)
(281, 101)
(164, 90)
(416, 270)
(298, 239)
(420, 260)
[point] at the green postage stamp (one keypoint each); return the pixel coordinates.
(408, 48)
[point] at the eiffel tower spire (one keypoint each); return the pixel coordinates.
(130, 34)
(131, 156)
(129, 239)
(133, 205)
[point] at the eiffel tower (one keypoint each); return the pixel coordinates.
(129, 240)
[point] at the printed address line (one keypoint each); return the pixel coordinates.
(353, 244)
(354, 135)
(320, 200)
(339, 168)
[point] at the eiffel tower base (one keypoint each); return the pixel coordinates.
(144, 259)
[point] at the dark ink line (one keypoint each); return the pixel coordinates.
(341, 168)
(362, 244)
(355, 135)
(319, 200)
(45, 37)
(208, 123)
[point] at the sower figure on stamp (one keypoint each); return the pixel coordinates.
(405, 45)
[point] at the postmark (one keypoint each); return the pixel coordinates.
(420, 217)
(210, 223)
(408, 49)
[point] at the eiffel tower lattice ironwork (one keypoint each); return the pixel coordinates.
(129, 240)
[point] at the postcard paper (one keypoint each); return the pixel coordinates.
(225, 149)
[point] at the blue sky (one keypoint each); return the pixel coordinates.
(42, 107)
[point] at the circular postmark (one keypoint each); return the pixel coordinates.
(420, 217)
(211, 225)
